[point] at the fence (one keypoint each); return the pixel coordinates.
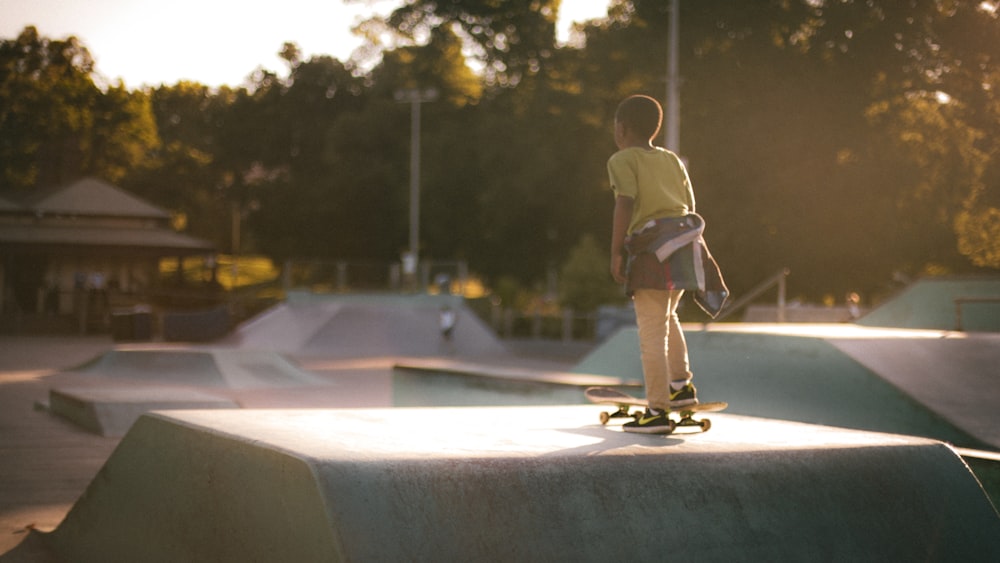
(342, 276)
(567, 326)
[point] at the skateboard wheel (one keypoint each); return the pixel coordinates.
(705, 425)
(673, 426)
(605, 417)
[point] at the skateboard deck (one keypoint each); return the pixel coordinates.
(623, 401)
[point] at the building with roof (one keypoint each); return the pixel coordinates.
(62, 248)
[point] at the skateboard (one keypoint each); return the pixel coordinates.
(608, 396)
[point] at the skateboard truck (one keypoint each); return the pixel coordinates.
(622, 412)
(624, 402)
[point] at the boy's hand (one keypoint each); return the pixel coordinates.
(619, 224)
(618, 268)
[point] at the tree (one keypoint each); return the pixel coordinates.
(278, 137)
(790, 153)
(584, 284)
(512, 38)
(931, 124)
(183, 174)
(56, 124)
(844, 139)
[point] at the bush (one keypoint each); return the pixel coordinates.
(585, 281)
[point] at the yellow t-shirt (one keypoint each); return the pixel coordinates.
(655, 179)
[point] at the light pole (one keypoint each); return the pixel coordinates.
(415, 97)
(673, 131)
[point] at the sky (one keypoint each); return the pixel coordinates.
(214, 42)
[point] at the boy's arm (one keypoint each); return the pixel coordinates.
(619, 227)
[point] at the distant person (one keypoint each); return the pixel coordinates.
(448, 320)
(443, 283)
(653, 226)
(853, 306)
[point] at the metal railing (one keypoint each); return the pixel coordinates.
(339, 276)
(777, 279)
(960, 301)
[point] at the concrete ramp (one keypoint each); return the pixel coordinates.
(107, 394)
(519, 484)
(958, 376)
(930, 303)
(111, 411)
(354, 326)
(285, 327)
(803, 373)
(195, 367)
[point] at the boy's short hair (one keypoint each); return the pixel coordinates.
(640, 114)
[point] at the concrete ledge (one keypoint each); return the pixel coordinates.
(111, 411)
(986, 467)
(437, 365)
(450, 383)
(530, 483)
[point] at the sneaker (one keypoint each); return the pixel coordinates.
(687, 395)
(650, 423)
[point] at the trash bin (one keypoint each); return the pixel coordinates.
(121, 325)
(142, 323)
(132, 324)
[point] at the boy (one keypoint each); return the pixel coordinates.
(652, 193)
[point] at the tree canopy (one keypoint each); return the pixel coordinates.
(56, 124)
(846, 140)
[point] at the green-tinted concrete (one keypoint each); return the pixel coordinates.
(954, 374)
(986, 467)
(178, 492)
(450, 383)
(778, 374)
(520, 484)
(929, 303)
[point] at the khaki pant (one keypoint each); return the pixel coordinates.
(661, 343)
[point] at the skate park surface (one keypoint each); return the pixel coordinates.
(445, 485)
(515, 470)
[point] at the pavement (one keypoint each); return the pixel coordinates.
(519, 483)
(47, 462)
